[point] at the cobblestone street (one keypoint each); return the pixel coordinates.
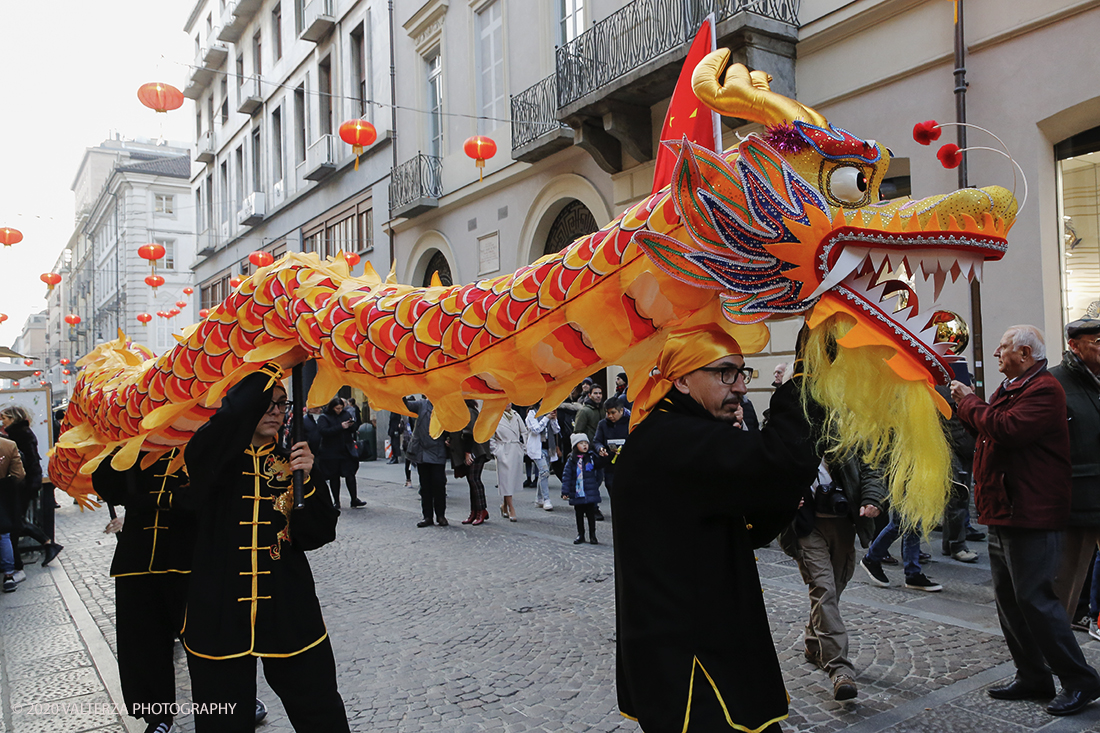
(510, 627)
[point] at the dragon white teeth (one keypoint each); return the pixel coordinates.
(850, 258)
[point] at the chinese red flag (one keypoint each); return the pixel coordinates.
(686, 114)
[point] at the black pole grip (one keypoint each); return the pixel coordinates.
(298, 399)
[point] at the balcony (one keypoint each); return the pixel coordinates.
(204, 148)
(416, 186)
(208, 61)
(320, 158)
(206, 243)
(318, 20)
(253, 210)
(233, 24)
(536, 130)
(248, 95)
(609, 76)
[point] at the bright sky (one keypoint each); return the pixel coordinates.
(69, 74)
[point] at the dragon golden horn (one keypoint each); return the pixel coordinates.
(746, 95)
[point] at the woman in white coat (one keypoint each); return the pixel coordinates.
(507, 444)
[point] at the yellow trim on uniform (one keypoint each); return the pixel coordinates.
(725, 711)
(156, 517)
(253, 653)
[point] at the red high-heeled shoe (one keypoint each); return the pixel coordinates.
(482, 517)
(470, 519)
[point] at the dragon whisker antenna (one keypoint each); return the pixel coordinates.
(950, 155)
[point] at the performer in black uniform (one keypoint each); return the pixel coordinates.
(252, 592)
(151, 564)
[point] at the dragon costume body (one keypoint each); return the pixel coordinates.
(785, 224)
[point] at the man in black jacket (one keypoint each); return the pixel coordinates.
(694, 496)
(1079, 375)
(252, 593)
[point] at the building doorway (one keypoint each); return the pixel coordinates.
(1079, 223)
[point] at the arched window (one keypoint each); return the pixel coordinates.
(575, 220)
(438, 263)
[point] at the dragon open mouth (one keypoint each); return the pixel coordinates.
(897, 278)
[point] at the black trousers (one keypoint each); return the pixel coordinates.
(1023, 563)
(148, 617)
(582, 511)
(955, 515)
(477, 488)
(305, 683)
(23, 528)
(433, 489)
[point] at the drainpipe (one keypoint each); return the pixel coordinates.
(393, 130)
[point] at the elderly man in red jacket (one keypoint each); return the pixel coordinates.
(1022, 491)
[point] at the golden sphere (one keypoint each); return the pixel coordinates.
(951, 328)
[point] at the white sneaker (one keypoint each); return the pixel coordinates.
(19, 576)
(539, 504)
(1094, 632)
(548, 506)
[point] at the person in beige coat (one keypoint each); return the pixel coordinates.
(507, 444)
(11, 475)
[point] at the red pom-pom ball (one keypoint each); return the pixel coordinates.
(927, 132)
(950, 156)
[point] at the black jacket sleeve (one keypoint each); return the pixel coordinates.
(314, 525)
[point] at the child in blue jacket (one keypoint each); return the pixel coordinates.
(580, 485)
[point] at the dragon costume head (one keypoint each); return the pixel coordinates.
(786, 224)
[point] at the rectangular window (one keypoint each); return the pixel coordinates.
(490, 60)
(366, 230)
(225, 102)
(257, 159)
(223, 209)
(324, 91)
(240, 73)
(257, 53)
(200, 221)
(164, 203)
(341, 237)
(198, 122)
(168, 262)
(359, 71)
(301, 134)
(435, 106)
(277, 145)
(277, 31)
(299, 16)
(210, 110)
(209, 189)
(238, 176)
(572, 19)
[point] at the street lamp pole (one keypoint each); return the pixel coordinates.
(960, 117)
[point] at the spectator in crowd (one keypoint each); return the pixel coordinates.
(11, 476)
(694, 496)
(590, 414)
(610, 435)
(779, 374)
(251, 593)
(393, 432)
(508, 444)
(580, 486)
(16, 421)
(1079, 375)
(879, 551)
(841, 503)
(956, 515)
(540, 440)
(1022, 489)
(749, 420)
(567, 410)
(352, 410)
(339, 458)
(621, 386)
(311, 431)
(430, 456)
(468, 459)
(407, 426)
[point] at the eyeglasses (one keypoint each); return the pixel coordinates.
(729, 374)
(279, 406)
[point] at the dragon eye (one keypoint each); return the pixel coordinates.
(848, 184)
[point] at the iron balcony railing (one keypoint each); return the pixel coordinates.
(418, 178)
(641, 32)
(535, 112)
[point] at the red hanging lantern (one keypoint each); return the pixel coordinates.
(66, 372)
(261, 259)
(15, 384)
(9, 236)
(154, 281)
(480, 148)
(351, 258)
(64, 362)
(204, 313)
(358, 134)
(72, 319)
(42, 383)
(234, 282)
(28, 362)
(50, 278)
(3, 317)
(160, 97)
(162, 314)
(144, 317)
(173, 313)
(38, 373)
(151, 252)
(188, 290)
(181, 303)
(63, 381)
